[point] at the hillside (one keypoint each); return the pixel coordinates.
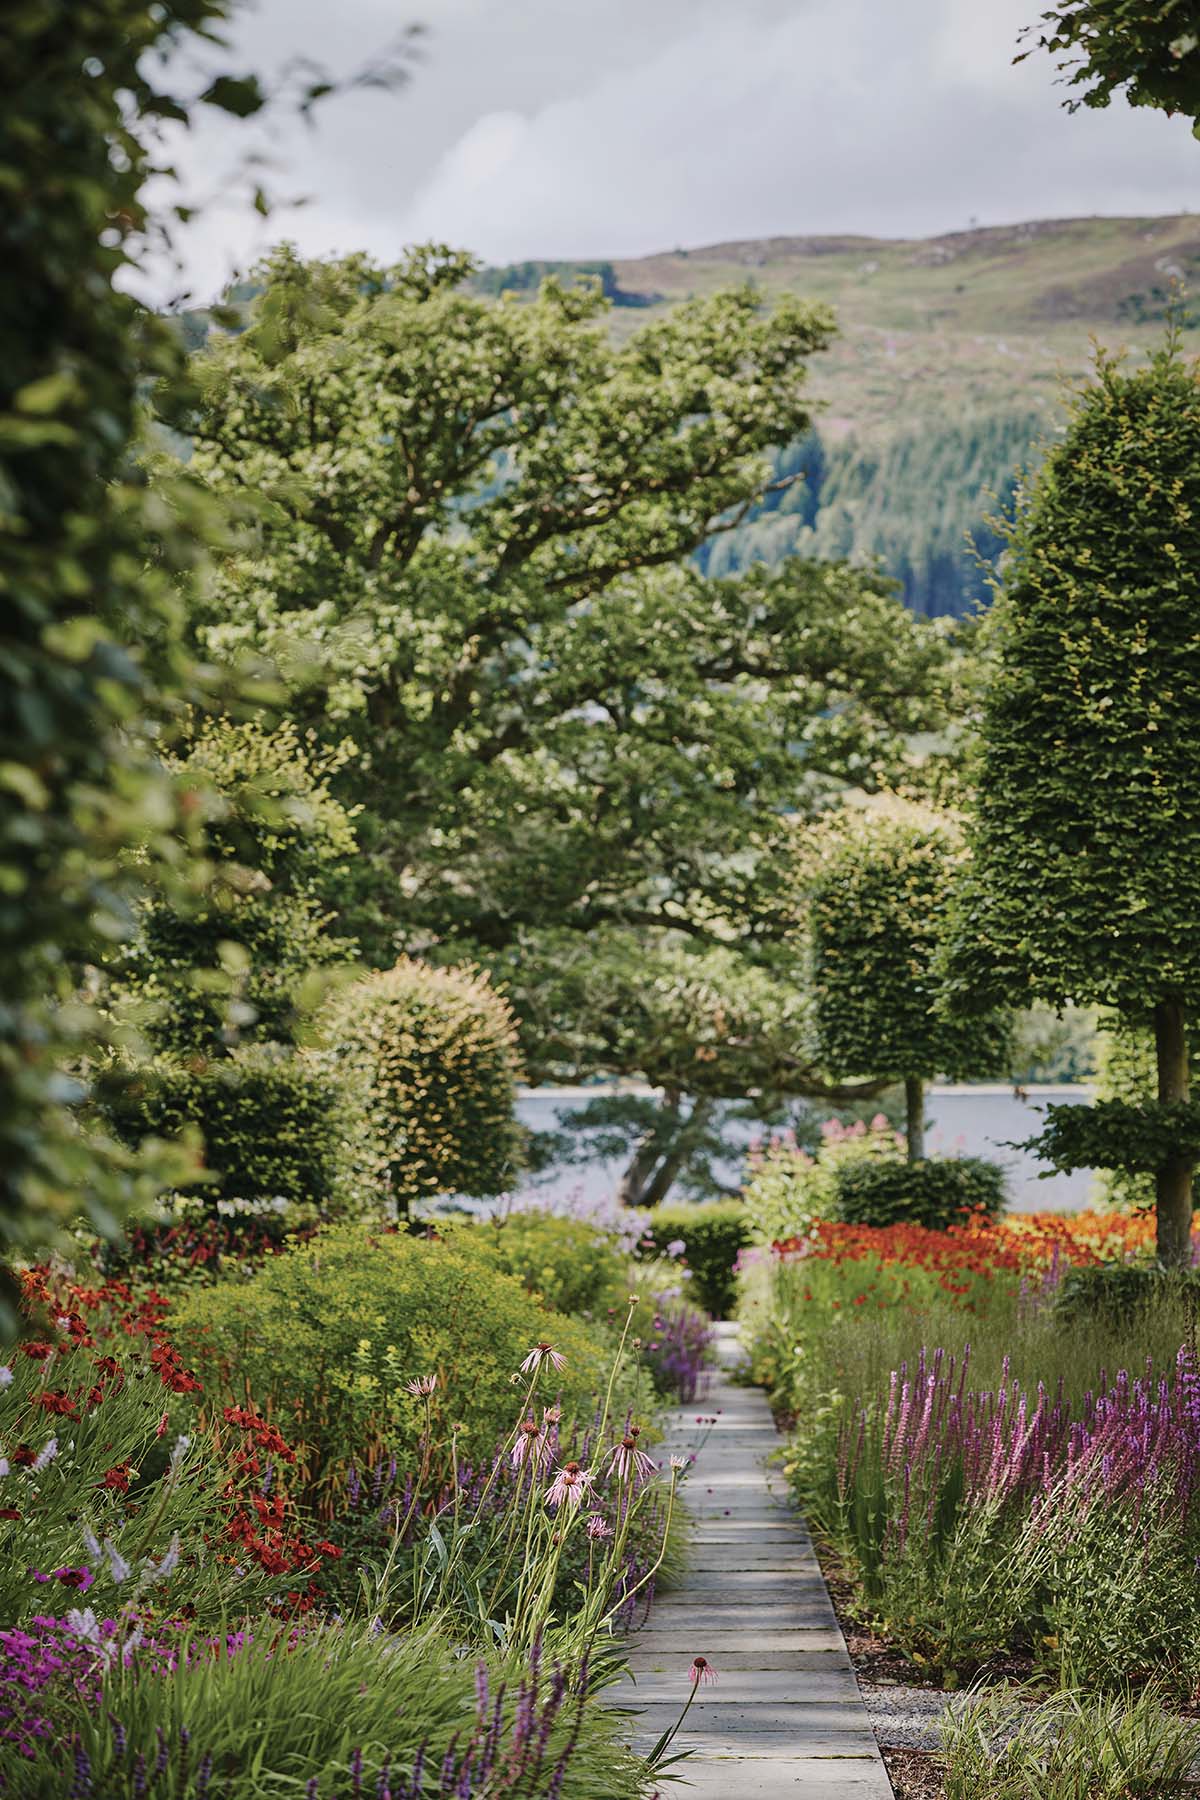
(946, 374)
(945, 378)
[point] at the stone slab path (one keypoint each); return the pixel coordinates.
(785, 1720)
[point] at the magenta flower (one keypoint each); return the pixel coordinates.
(421, 1386)
(74, 1578)
(596, 1527)
(702, 1672)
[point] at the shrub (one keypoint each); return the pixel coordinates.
(227, 972)
(184, 1243)
(788, 1189)
(935, 1194)
(276, 1124)
(712, 1234)
(571, 1266)
(328, 1334)
(236, 962)
(435, 1051)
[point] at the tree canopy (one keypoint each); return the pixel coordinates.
(1150, 49)
(94, 657)
(89, 631)
(1086, 877)
(466, 525)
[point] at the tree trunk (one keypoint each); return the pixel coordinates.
(676, 1153)
(914, 1117)
(641, 1165)
(1173, 1182)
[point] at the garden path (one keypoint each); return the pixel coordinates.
(784, 1720)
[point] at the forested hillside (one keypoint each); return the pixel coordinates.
(944, 380)
(923, 499)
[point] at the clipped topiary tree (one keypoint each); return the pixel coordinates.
(1086, 877)
(434, 1053)
(1125, 1071)
(878, 885)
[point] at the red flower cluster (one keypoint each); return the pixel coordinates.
(261, 1531)
(265, 1435)
(57, 1400)
(167, 1363)
(81, 1314)
(252, 1525)
(1019, 1244)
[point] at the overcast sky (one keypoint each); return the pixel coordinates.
(599, 128)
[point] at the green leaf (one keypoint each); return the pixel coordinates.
(241, 95)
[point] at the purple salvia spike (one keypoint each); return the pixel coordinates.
(81, 1787)
(449, 1765)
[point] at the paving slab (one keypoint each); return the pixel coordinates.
(738, 1778)
(736, 1583)
(785, 1719)
(665, 1661)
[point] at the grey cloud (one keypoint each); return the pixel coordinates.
(609, 127)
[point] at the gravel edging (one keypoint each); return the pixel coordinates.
(905, 1717)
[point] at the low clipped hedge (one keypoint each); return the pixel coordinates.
(326, 1336)
(712, 1233)
(434, 1054)
(276, 1124)
(935, 1193)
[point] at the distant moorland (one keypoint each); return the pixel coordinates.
(944, 379)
